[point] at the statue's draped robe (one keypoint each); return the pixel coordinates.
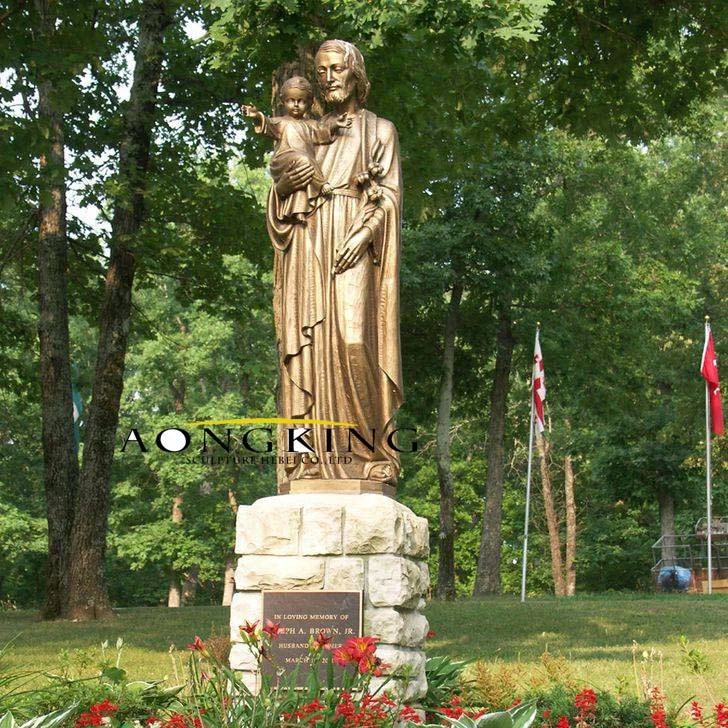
(338, 335)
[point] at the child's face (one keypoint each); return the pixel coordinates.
(296, 102)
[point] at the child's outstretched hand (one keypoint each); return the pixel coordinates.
(343, 121)
(250, 110)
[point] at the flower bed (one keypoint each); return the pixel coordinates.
(213, 696)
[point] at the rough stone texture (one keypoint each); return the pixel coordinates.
(339, 542)
(387, 624)
(245, 607)
(344, 573)
(268, 528)
(394, 581)
(416, 537)
(242, 658)
(411, 690)
(375, 527)
(415, 629)
(400, 659)
(274, 573)
(321, 530)
(424, 579)
(251, 680)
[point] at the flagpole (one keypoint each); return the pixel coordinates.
(528, 491)
(708, 471)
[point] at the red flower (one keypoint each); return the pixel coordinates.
(341, 656)
(197, 646)
(248, 628)
(658, 714)
(586, 701)
(657, 699)
(455, 710)
(309, 713)
(721, 716)
(659, 718)
(320, 642)
(370, 712)
(96, 714)
(178, 720)
(379, 667)
(271, 628)
(359, 651)
(410, 714)
(696, 712)
(430, 633)
(563, 722)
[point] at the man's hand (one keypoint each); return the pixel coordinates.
(296, 177)
(343, 121)
(352, 250)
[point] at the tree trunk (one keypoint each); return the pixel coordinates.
(667, 526)
(229, 583)
(488, 576)
(446, 570)
(87, 588)
(570, 564)
(551, 520)
(60, 461)
(229, 578)
(189, 587)
(174, 598)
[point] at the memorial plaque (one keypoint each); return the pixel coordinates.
(303, 614)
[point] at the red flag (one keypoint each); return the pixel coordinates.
(538, 384)
(709, 370)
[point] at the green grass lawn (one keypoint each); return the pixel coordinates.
(595, 634)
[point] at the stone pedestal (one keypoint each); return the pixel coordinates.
(338, 542)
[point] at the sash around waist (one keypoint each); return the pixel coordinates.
(346, 191)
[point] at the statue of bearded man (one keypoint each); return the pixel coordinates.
(336, 295)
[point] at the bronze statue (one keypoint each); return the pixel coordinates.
(336, 294)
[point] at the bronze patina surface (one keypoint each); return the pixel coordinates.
(336, 291)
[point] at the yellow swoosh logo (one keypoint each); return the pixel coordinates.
(269, 421)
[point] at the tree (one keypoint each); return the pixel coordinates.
(59, 449)
(446, 550)
(88, 596)
(488, 579)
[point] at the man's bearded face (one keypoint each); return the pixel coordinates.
(335, 77)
